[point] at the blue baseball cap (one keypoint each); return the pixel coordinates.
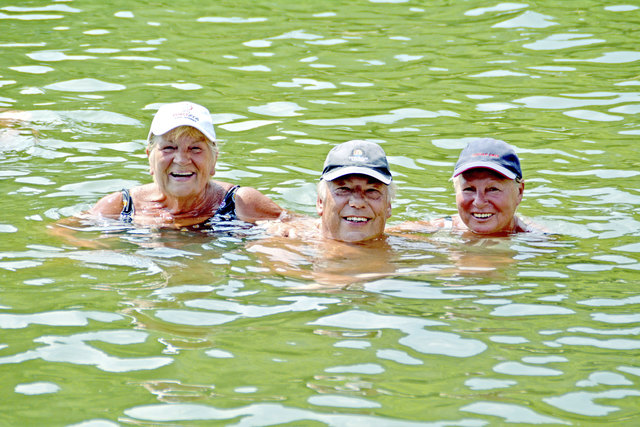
(491, 154)
(357, 157)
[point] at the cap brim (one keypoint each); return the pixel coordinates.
(359, 170)
(485, 165)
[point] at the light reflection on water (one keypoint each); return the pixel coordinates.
(167, 327)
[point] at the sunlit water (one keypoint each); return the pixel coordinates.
(140, 327)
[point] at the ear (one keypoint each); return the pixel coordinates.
(520, 191)
(148, 152)
(212, 172)
(319, 205)
(389, 209)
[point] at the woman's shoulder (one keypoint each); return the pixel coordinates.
(108, 206)
(251, 205)
(112, 204)
(422, 226)
(225, 186)
(526, 225)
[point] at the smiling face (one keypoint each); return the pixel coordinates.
(182, 161)
(487, 201)
(354, 208)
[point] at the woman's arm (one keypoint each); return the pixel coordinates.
(109, 206)
(252, 206)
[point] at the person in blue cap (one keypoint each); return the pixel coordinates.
(488, 183)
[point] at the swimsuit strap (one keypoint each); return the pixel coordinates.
(126, 215)
(227, 209)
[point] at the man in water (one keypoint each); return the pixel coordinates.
(346, 243)
(488, 183)
(354, 196)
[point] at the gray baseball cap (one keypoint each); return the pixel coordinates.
(357, 157)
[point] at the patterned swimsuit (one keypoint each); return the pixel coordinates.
(226, 211)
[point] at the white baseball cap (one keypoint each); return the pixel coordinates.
(170, 116)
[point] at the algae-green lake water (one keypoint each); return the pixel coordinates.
(173, 328)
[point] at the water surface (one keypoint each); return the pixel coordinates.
(141, 327)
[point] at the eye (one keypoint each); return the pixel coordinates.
(168, 148)
(342, 191)
(468, 189)
(196, 149)
(493, 189)
(373, 194)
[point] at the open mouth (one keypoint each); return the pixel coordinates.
(482, 215)
(182, 174)
(356, 219)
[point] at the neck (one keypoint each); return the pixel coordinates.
(189, 205)
(515, 226)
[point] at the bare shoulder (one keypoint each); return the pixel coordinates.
(528, 226)
(252, 205)
(417, 226)
(293, 226)
(109, 206)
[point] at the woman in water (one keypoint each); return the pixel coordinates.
(182, 156)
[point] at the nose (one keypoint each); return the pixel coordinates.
(479, 199)
(181, 157)
(356, 200)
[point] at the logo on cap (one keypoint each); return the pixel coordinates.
(186, 113)
(495, 156)
(357, 156)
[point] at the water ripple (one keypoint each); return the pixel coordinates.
(231, 20)
(55, 56)
(37, 388)
(271, 413)
(511, 413)
(85, 85)
(74, 349)
(55, 318)
(417, 337)
(563, 41)
(511, 310)
(393, 117)
(582, 402)
(528, 19)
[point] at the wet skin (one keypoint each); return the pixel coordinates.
(487, 201)
(355, 208)
(181, 167)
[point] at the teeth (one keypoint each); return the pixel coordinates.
(356, 219)
(181, 173)
(482, 215)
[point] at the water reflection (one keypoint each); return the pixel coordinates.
(433, 329)
(74, 349)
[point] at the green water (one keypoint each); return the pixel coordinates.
(174, 328)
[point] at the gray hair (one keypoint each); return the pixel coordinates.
(456, 181)
(181, 131)
(323, 188)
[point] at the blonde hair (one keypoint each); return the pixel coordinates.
(181, 131)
